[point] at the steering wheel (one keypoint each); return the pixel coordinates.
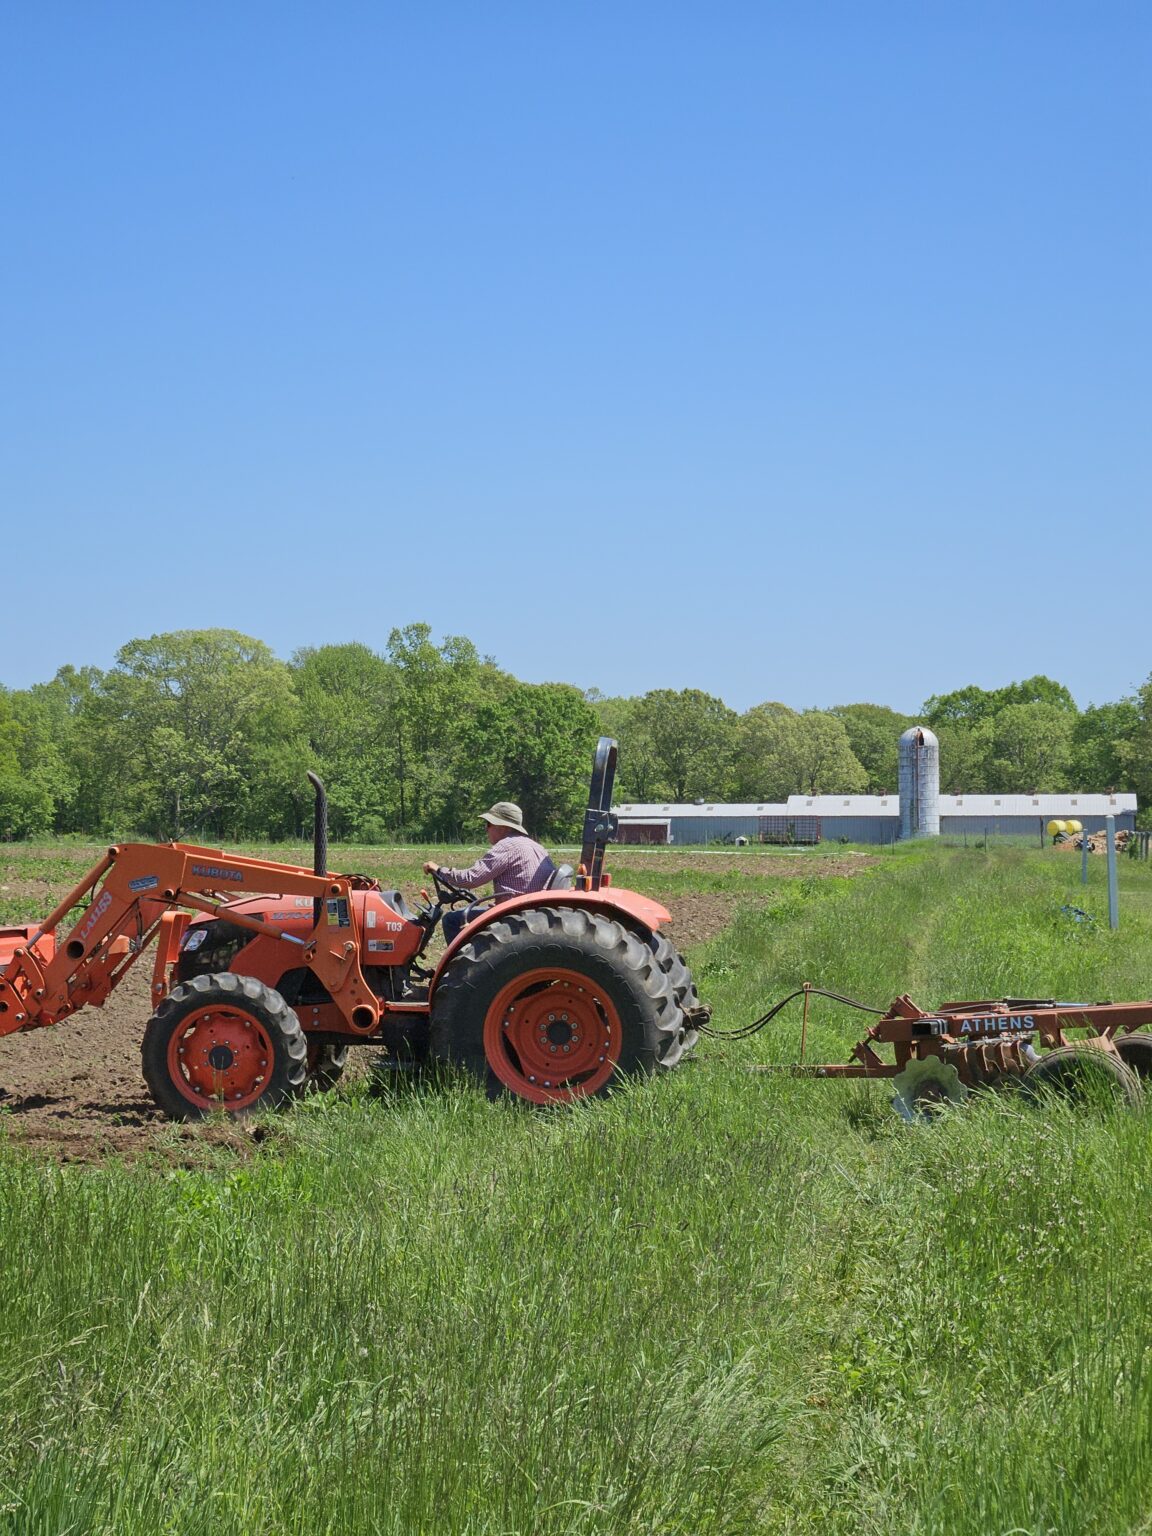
(453, 892)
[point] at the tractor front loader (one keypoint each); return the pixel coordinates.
(266, 974)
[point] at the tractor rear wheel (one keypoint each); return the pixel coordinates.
(223, 1042)
(326, 1063)
(552, 1003)
(684, 994)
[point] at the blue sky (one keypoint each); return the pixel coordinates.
(790, 352)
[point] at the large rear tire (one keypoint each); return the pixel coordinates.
(684, 995)
(553, 1004)
(223, 1042)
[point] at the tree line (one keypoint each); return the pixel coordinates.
(207, 734)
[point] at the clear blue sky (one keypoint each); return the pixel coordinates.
(788, 351)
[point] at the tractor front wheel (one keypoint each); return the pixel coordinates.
(551, 1004)
(223, 1042)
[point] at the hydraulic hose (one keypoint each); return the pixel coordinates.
(742, 1031)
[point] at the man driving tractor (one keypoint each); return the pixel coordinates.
(515, 864)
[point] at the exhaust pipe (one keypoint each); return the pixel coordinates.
(319, 841)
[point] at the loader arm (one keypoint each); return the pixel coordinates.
(128, 894)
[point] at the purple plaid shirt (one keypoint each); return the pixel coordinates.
(514, 865)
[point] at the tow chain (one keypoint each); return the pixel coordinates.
(743, 1031)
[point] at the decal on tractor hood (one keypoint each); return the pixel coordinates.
(144, 883)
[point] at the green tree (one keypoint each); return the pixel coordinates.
(963, 759)
(202, 733)
(533, 743)
(26, 804)
(824, 762)
(783, 753)
(874, 733)
(1102, 737)
(438, 690)
(348, 702)
(1136, 752)
(638, 774)
(766, 752)
(691, 736)
(1028, 748)
(971, 706)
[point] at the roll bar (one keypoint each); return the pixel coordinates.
(599, 822)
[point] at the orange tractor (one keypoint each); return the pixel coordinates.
(266, 974)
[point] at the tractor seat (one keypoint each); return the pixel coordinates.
(398, 905)
(560, 879)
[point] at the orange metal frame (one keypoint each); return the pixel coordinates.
(144, 891)
(133, 892)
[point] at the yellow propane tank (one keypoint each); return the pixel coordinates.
(1073, 826)
(1056, 827)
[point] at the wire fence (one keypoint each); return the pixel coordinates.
(991, 837)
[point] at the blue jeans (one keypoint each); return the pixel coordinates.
(452, 922)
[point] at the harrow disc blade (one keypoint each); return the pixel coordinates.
(926, 1088)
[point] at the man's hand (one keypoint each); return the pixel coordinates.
(430, 866)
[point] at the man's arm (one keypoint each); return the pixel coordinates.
(480, 873)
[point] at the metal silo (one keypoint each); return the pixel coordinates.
(919, 783)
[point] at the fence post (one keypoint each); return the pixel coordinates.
(1085, 844)
(1113, 888)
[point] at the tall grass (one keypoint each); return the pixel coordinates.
(725, 1303)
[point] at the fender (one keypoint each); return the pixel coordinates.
(630, 909)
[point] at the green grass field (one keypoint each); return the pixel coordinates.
(727, 1302)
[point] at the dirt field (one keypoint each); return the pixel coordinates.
(75, 1092)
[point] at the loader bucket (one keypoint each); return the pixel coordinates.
(12, 939)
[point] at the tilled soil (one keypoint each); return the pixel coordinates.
(703, 914)
(74, 1091)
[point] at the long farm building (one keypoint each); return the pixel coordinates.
(866, 818)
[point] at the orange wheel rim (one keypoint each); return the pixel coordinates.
(552, 1035)
(220, 1056)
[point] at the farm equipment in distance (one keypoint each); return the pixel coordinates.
(938, 1057)
(265, 974)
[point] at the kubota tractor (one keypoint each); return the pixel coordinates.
(265, 974)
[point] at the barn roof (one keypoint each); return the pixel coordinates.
(1069, 804)
(1073, 803)
(655, 812)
